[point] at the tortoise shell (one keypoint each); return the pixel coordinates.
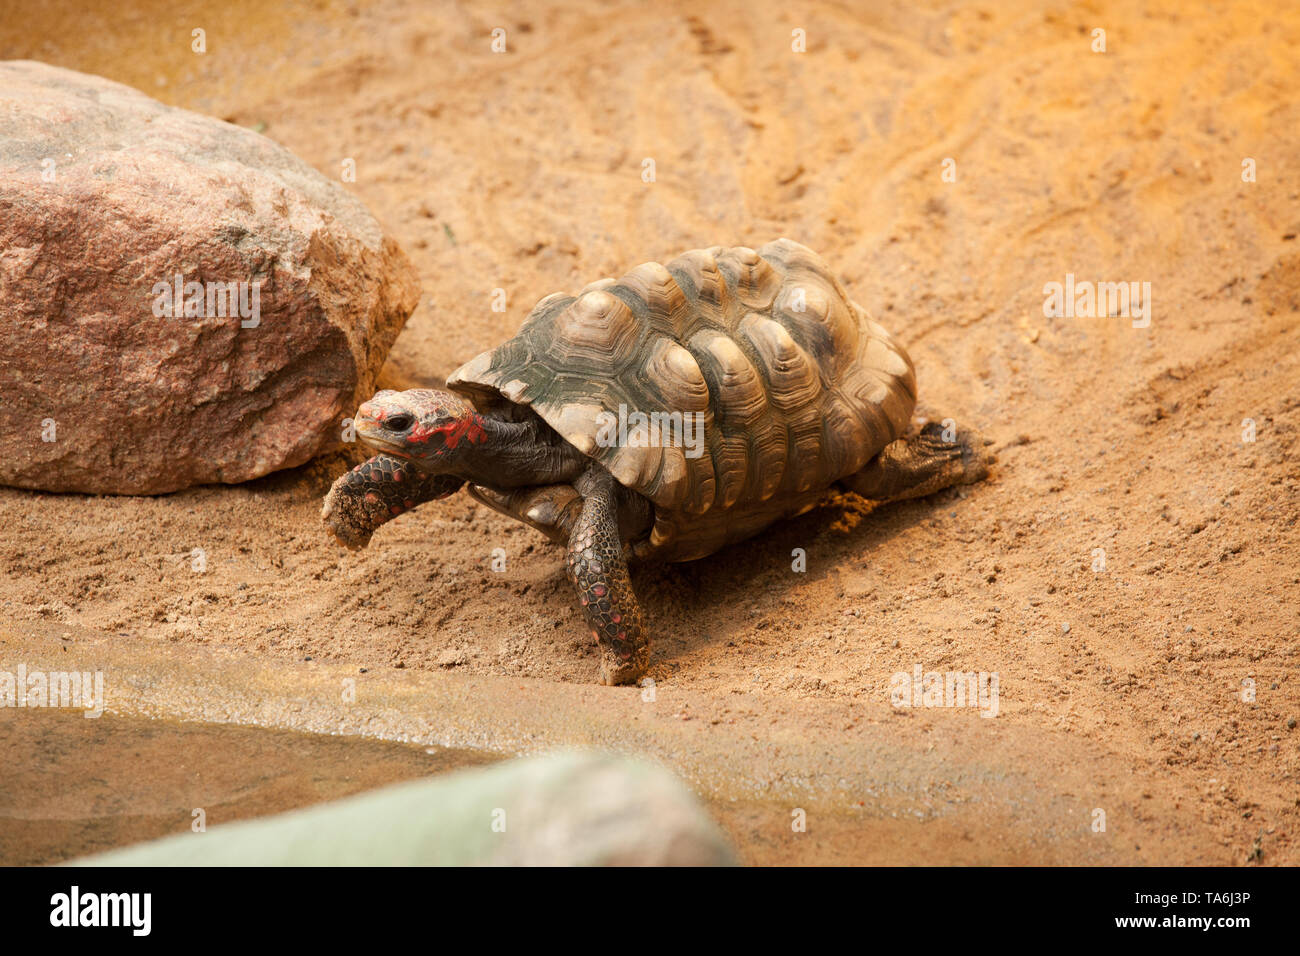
(793, 384)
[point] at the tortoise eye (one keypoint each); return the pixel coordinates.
(399, 422)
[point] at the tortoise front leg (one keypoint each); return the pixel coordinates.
(376, 491)
(598, 570)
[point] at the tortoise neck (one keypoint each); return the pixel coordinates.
(514, 454)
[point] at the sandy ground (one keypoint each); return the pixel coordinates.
(1127, 688)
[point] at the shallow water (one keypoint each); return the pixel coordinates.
(73, 786)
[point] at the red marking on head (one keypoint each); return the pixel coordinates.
(617, 618)
(469, 428)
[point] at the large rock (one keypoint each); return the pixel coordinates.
(106, 196)
(565, 809)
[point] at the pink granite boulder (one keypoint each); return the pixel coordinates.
(182, 301)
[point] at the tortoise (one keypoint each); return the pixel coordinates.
(751, 383)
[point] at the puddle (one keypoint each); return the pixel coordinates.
(72, 786)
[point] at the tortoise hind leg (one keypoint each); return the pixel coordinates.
(921, 465)
(598, 569)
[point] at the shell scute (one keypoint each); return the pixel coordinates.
(654, 295)
(703, 284)
(793, 382)
(598, 328)
(738, 393)
(752, 277)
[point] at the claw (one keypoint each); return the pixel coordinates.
(616, 671)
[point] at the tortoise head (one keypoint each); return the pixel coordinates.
(429, 427)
